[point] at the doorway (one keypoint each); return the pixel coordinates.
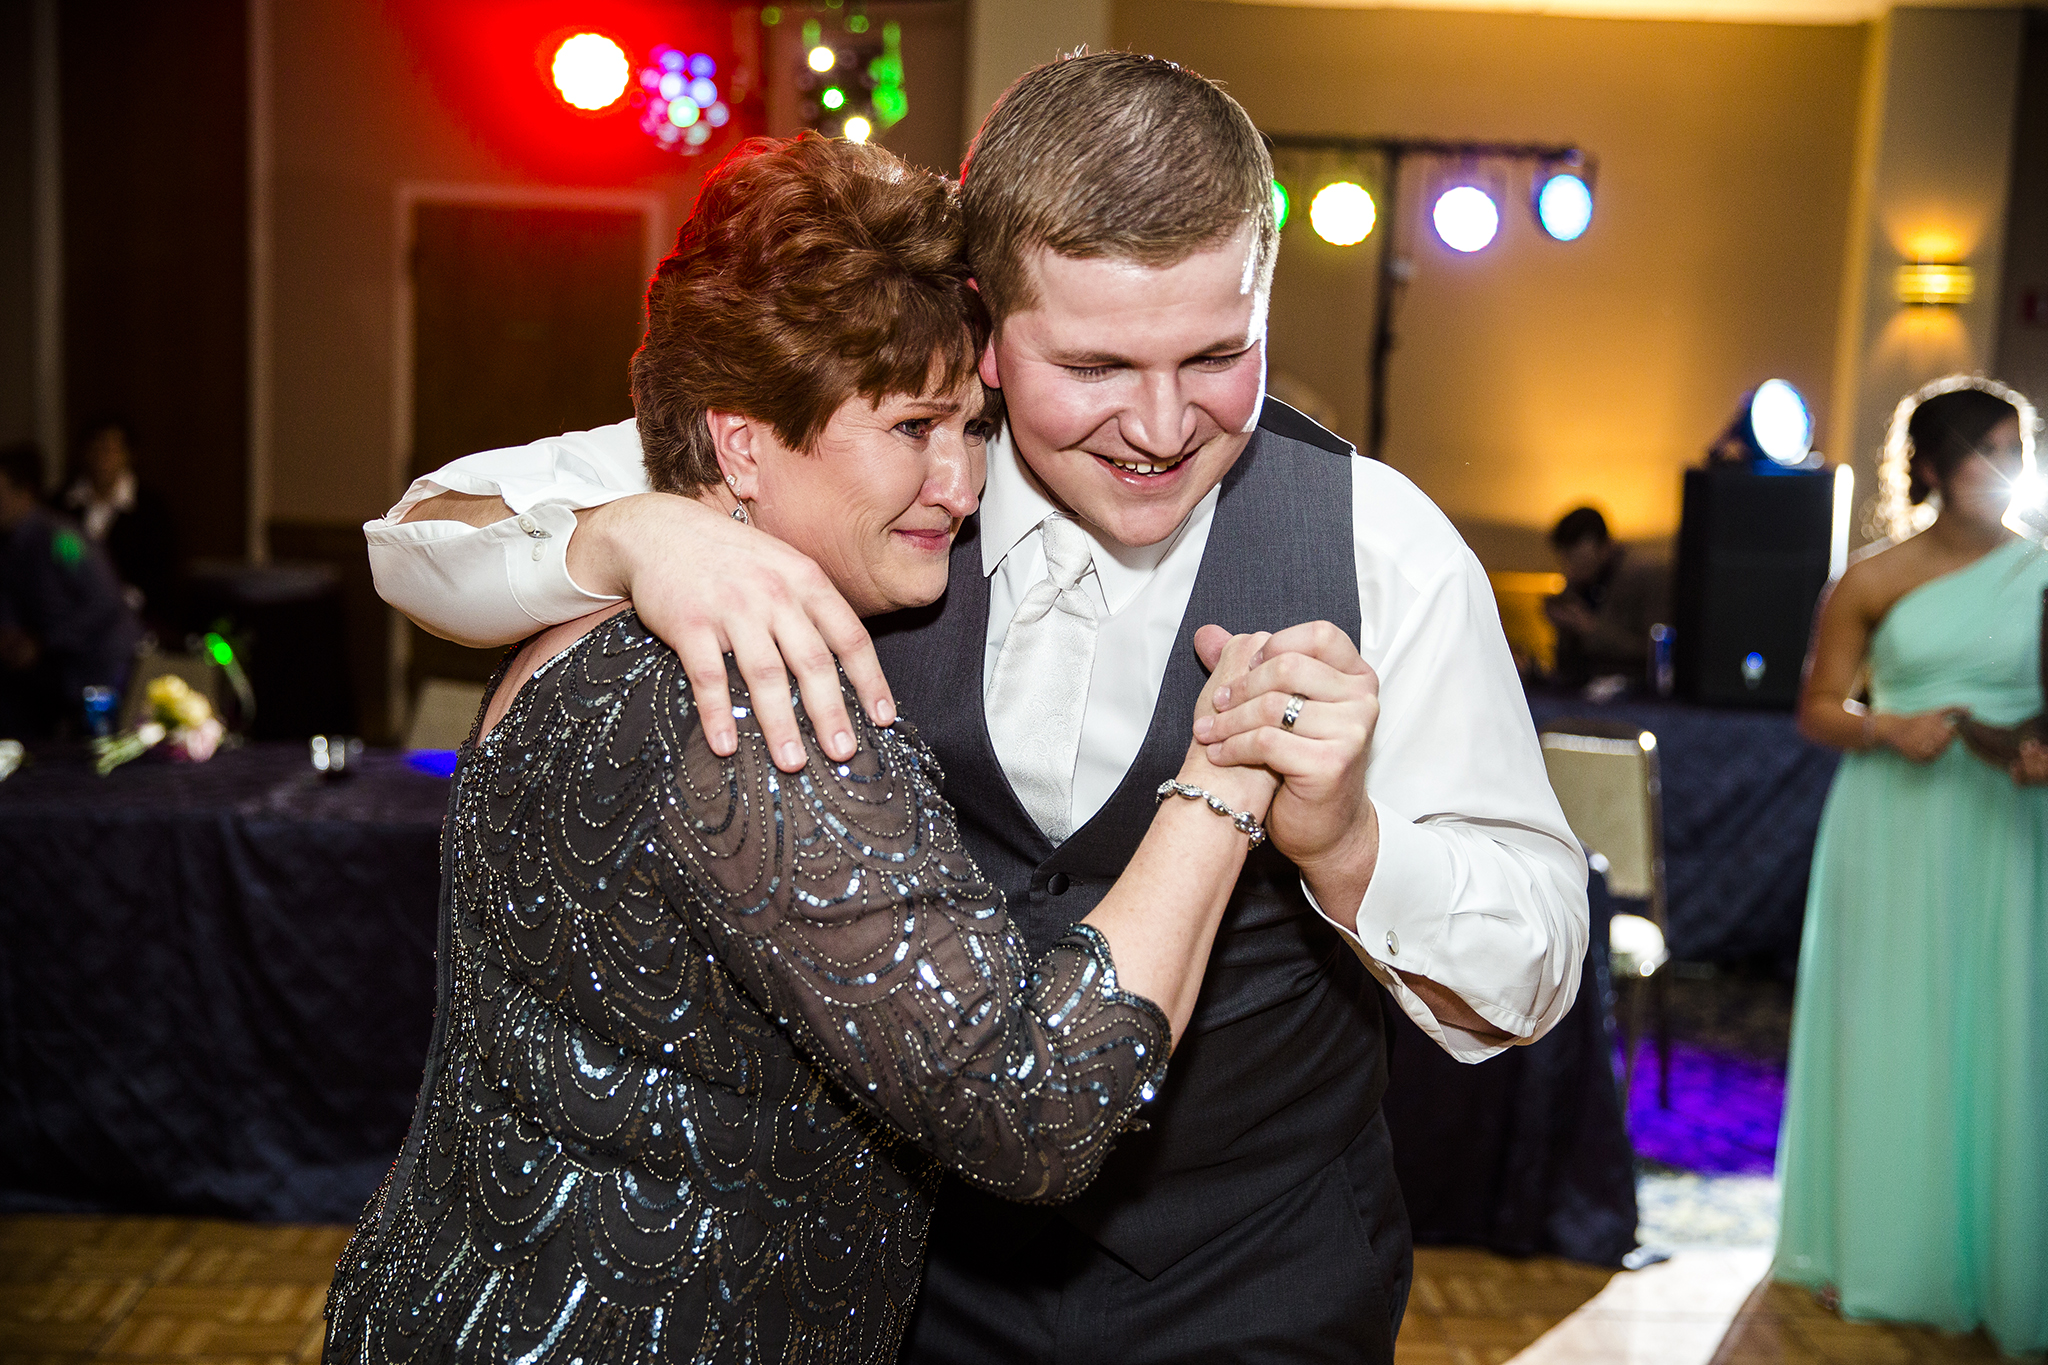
(524, 316)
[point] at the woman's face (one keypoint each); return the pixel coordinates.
(879, 500)
(1980, 488)
(106, 459)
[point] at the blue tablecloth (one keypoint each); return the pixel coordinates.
(217, 981)
(1743, 792)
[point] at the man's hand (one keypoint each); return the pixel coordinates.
(706, 585)
(1320, 817)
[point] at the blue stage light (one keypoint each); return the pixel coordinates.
(1780, 423)
(1564, 205)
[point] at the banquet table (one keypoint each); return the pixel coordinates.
(217, 983)
(218, 989)
(1742, 796)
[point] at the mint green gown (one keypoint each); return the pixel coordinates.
(1914, 1154)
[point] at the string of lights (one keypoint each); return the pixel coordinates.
(1465, 214)
(849, 80)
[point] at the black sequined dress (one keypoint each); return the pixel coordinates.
(707, 1033)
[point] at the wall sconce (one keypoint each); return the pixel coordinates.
(1928, 284)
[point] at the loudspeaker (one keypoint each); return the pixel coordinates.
(1752, 562)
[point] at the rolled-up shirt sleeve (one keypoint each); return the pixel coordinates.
(492, 585)
(1480, 885)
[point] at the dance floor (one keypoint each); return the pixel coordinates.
(137, 1290)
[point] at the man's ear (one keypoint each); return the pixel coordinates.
(990, 374)
(735, 438)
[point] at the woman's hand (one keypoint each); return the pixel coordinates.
(1248, 788)
(1320, 815)
(2030, 769)
(1921, 737)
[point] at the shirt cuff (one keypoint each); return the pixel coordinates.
(481, 586)
(540, 578)
(1400, 924)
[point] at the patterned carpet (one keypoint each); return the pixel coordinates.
(174, 1291)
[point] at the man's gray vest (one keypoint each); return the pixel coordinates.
(1284, 1061)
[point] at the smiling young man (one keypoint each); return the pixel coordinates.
(1120, 226)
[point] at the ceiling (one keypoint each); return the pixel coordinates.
(1729, 11)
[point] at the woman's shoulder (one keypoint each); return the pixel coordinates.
(1881, 573)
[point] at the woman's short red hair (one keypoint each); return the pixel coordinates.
(810, 271)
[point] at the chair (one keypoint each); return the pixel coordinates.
(1605, 776)
(443, 713)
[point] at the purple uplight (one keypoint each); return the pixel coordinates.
(1724, 1112)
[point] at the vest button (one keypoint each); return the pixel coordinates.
(1058, 883)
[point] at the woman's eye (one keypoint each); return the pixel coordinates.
(981, 431)
(917, 428)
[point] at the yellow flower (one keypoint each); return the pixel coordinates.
(172, 701)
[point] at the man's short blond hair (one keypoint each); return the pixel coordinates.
(1111, 154)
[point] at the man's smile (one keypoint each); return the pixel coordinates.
(1148, 469)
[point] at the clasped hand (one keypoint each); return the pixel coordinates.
(1320, 817)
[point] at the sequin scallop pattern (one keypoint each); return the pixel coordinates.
(709, 1033)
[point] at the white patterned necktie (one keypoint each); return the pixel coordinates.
(1039, 688)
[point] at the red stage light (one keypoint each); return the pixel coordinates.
(590, 70)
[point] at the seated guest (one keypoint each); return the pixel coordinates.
(1603, 616)
(130, 520)
(64, 625)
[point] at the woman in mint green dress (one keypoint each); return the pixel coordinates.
(1914, 1156)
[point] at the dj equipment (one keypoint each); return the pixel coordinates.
(1752, 562)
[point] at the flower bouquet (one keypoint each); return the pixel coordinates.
(180, 719)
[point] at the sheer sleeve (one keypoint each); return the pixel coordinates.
(842, 901)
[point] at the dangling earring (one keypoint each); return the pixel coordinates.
(739, 509)
(739, 514)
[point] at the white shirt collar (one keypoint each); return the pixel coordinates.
(1013, 505)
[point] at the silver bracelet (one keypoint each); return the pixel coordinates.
(1248, 827)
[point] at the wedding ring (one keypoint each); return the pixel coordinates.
(1293, 712)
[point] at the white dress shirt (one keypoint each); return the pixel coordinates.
(1480, 886)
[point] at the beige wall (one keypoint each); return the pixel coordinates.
(1538, 375)
(1006, 38)
(1933, 164)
